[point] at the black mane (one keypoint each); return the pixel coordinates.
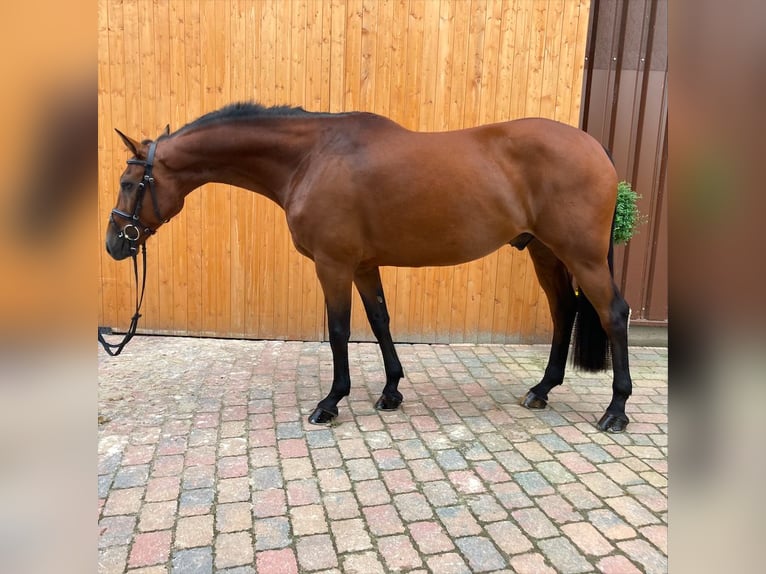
(249, 111)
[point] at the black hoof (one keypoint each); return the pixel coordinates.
(385, 403)
(612, 423)
(532, 401)
(322, 417)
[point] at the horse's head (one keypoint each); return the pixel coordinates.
(149, 196)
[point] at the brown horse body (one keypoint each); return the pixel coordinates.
(361, 192)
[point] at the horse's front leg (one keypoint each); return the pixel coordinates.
(371, 290)
(336, 284)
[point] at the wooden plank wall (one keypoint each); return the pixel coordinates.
(225, 266)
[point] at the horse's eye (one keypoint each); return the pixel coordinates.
(126, 185)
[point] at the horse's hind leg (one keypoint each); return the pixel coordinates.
(336, 285)
(557, 284)
(371, 290)
(613, 314)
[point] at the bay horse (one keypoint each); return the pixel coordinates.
(360, 192)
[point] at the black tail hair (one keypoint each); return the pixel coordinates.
(591, 344)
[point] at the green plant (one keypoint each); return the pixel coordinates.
(627, 216)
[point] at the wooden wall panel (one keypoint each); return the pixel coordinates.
(226, 266)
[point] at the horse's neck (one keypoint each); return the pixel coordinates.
(259, 158)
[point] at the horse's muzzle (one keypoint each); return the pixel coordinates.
(118, 246)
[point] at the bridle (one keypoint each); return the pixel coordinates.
(132, 232)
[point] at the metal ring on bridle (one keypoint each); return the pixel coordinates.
(135, 229)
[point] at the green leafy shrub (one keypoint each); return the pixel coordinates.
(627, 217)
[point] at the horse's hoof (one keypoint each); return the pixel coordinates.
(532, 401)
(613, 423)
(322, 417)
(385, 403)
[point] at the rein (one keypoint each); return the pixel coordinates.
(114, 349)
(132, 232)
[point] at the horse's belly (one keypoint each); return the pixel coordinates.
(418, 250)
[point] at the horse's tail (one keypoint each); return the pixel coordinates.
(591, 344)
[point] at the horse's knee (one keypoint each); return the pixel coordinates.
(339, 333)
(619, 316)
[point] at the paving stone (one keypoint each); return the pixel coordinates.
(235, 516)
(308, 519)
(508, 537)
(123, 501)
(481, 554)
(350, 535)
(281, 561)
(271, 533)
(440, 493)
(157, 516)
(233, 549)
(430, 537)
(449, 563)
(564, 555)
(316, 552)
(458, 521)
(364, 563)
(383, 520)
(150, 548)
(531, 563)
(398, 553)
(193, 561)
(233, 489)
(194, 531)
(640, 551)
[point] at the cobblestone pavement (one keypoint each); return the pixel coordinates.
(207, 463)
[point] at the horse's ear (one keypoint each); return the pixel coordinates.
(131, 144)
(167, 130)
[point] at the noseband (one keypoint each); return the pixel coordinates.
(133, 230)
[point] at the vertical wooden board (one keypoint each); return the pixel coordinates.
(506, 52)
(122, 22)
(282, 244)
(147, 72)
(497, 315)
(551, 55)
(164, 240)
(369, 71)
(266, 211)
(240, 199)
(522, 17)
(297, 90)
(429, 66)
(105, 292)
(337, 56)
(409, 309)
(399, 53)
(444, 55)
(211, 301)
(193, 203)
(177, 228)
(223, 204)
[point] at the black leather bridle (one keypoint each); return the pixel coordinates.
(132, 232)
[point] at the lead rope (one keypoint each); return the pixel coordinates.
(114, 349)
